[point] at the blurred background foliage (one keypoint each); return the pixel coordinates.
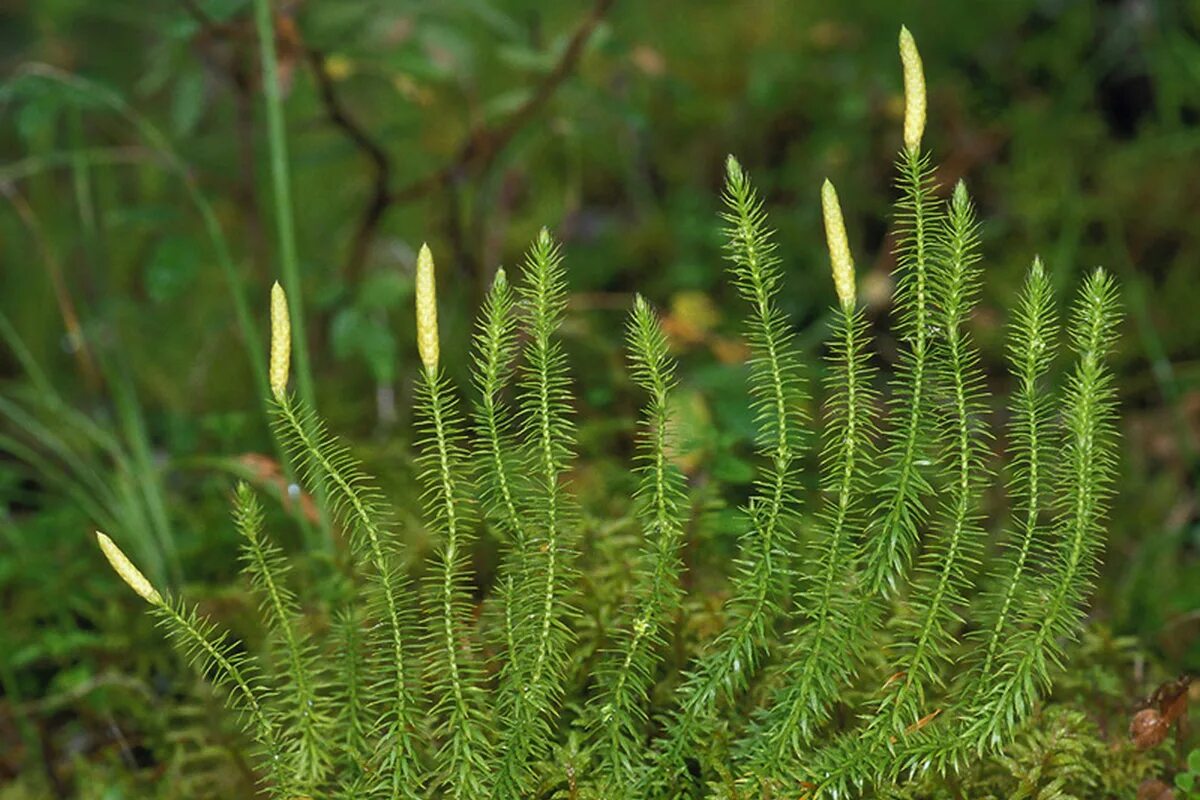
(135, 187)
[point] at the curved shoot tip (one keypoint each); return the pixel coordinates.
(281, 342)
(839, 246)
(427, 324)
(960, 196)
(914, 91)
(125, 569)
(733, 169)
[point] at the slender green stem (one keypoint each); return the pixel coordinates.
(466, 753)
(891, 543)
(758, 592)
(281, 184)
(1086, 478)
(953, 286)
(195, 639)
(531, 686)
(265, 565)
(1030, 352)
(617, 714)
(822, 650)
(494, 441)
(450, 554)
(405, 775)
(289, 263)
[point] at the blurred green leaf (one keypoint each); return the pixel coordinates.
(187, 102)
(385, 289)
(172, 269)
(356, 333)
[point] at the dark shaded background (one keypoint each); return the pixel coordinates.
(126, 387)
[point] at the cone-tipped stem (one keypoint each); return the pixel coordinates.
(127, 571)
(914, 91)
(839, 246)
(281, 341)
(427, 324)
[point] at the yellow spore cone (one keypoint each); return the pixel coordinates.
(427, 323)
(839, 246)
(281, 341)
(127, 571)
(914, 91)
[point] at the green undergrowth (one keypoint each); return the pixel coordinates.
(873, 635)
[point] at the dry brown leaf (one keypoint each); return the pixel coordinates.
(1154, 789)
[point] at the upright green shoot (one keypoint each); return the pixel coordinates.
(821, 651)
(892, 538)
(532, 684)
(945, 570)
(1083, 484)
(1031, 347)
(492, 368)
(218, 660)
(454, 677)
(495, 349)
(618, 717)
(282, 193)
(357, 506)
(770, 541)
(303, 719)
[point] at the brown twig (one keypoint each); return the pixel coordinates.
(337, 115)
(238, 69)
(481, 147)
(478, 152)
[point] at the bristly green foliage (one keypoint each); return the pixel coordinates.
(896, 524)
(454, 675)
(495, 349)
(303, 717)
(618, 717)
(945, 569)
(1031, 347)
(352, 726)
(532, 683)
(822, 650)
(492, 368)
(809, 689)
(394, 768)
(1083, 488)
(221, 662)
(985, 718)
(771, 518)
(1060, 755)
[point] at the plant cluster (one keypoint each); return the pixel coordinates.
(1188, 781)
(416, 695)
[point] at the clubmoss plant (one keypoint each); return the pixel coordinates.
(864, 643)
